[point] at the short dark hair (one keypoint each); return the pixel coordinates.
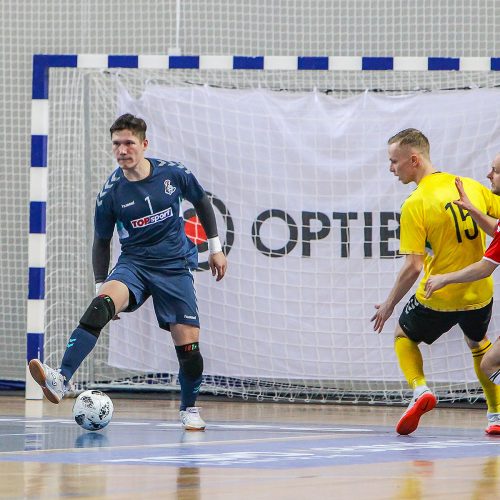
(412, 137)
(130, 122)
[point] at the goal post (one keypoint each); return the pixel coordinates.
(307, 209)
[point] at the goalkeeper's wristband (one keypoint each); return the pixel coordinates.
(97, 286)
(214, 245)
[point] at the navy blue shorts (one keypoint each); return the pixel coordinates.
(172, 291)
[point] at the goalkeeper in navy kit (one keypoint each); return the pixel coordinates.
(142, 198)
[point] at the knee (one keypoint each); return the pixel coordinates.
(99, 313)
(402, 338)
(190, 360)
(473, 344)
(399, 334)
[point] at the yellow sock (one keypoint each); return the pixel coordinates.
(410, 361)
(491, 391)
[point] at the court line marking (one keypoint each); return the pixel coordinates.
(347, 452)
(25, 434)
(238, 426)
(165, 445)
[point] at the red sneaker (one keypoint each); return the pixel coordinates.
(419, 405)
(493, 428)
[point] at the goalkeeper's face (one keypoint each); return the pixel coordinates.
(128, 149)
(403, 162)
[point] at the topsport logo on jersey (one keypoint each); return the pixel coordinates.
(152, 219)
(195, 232)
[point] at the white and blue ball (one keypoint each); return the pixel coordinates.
(93, 410)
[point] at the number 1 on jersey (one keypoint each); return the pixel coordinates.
(149, 204)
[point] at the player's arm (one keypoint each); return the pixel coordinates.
(101, 254)
(406, 278)
(216, 259)
(485, 222)
(104, 225)
(477, 271)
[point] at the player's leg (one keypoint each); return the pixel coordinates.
(490, 363)
(491, 391)
(474, 324)
(187, 348)
(113, 298)
(176, 309)
(411, 364)
(416, 324)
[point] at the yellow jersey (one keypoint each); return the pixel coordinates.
(433, 226)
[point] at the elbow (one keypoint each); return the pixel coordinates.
(415, 270)
(486, 269)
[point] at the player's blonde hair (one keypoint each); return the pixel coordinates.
(413, 138)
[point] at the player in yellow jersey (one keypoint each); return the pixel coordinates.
(438, 236)
(480, 269)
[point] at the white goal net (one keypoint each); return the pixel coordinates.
(296, 164)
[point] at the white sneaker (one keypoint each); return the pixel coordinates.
(191, 420)
(493, 428)
(422, 402)
(51, 381)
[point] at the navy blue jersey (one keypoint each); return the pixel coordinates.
(147, 213)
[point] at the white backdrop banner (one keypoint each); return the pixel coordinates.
(308, 211)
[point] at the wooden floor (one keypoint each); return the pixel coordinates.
(249, 451)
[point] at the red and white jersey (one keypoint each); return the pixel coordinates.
(493, 251)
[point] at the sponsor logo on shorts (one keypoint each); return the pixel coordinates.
(153, 218)
(189, 317)
(129, 204)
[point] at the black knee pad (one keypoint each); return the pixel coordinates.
(190, 359)
(99, 313)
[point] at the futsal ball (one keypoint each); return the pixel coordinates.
(93, 410)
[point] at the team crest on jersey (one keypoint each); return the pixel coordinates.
(169, 189)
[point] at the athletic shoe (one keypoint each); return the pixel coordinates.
(191, 420)
(493, 428)
(422, 402)
(51, 381)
